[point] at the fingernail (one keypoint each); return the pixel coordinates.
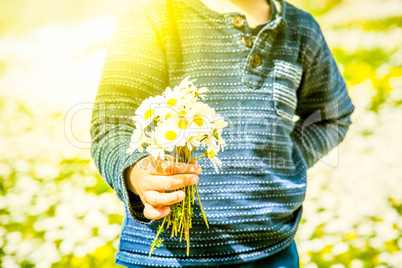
(195, 180)
(192, 169)
(181, 195)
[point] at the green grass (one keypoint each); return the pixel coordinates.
(375, 25)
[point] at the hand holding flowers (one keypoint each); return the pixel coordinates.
(150, 178)
(175, 122)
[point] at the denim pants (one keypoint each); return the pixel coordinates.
(287, 258)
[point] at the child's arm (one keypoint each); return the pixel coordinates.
(134, 69)
(324, 106)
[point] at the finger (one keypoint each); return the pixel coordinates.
(166, 183)
(185, 168)
(145, 163)
(171, 168)
(156, 199)
(162, 167)
(154, 213)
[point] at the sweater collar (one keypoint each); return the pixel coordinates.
(277, 20)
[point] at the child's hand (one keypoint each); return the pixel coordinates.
(150, 178)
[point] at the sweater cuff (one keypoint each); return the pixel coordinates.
(130, 199)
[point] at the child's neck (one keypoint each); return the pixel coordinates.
(256, 11)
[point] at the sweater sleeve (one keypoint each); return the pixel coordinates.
(324, 106)
(134, 69)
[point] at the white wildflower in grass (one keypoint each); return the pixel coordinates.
(176, 122)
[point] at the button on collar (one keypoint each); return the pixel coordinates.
(255, 61)
(237, 21)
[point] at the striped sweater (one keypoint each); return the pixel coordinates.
(284, 98)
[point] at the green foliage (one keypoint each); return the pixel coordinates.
(159, 242)
(161, 229)
(375, 25)
(316, 7)
(363, 65)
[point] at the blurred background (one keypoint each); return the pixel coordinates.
(55, 211)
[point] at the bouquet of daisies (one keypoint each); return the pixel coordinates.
(176, 123)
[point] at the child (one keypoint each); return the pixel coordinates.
(266, 64)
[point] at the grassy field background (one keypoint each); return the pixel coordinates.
(55, 211)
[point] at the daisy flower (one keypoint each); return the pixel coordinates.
(199, 118)
(147, 108)
(189, 87)
(168, 134)
(174, 97)
(194, 139)
(186, 85)
(201, 92)
(210, 153)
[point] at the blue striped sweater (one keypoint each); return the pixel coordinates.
(284, 98)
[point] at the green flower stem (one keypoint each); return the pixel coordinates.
(169, 220)
(188, 234)
(202, 211)
(189, 200)
(181, 232)
(180, 214)
(156, 240)
(191, 160)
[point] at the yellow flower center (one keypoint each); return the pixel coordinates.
(171, 102)
(168, 116)
(149, 113)
(183, 124)
(198, 120)
(170, 135)
(211, 154)
(181, 113)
